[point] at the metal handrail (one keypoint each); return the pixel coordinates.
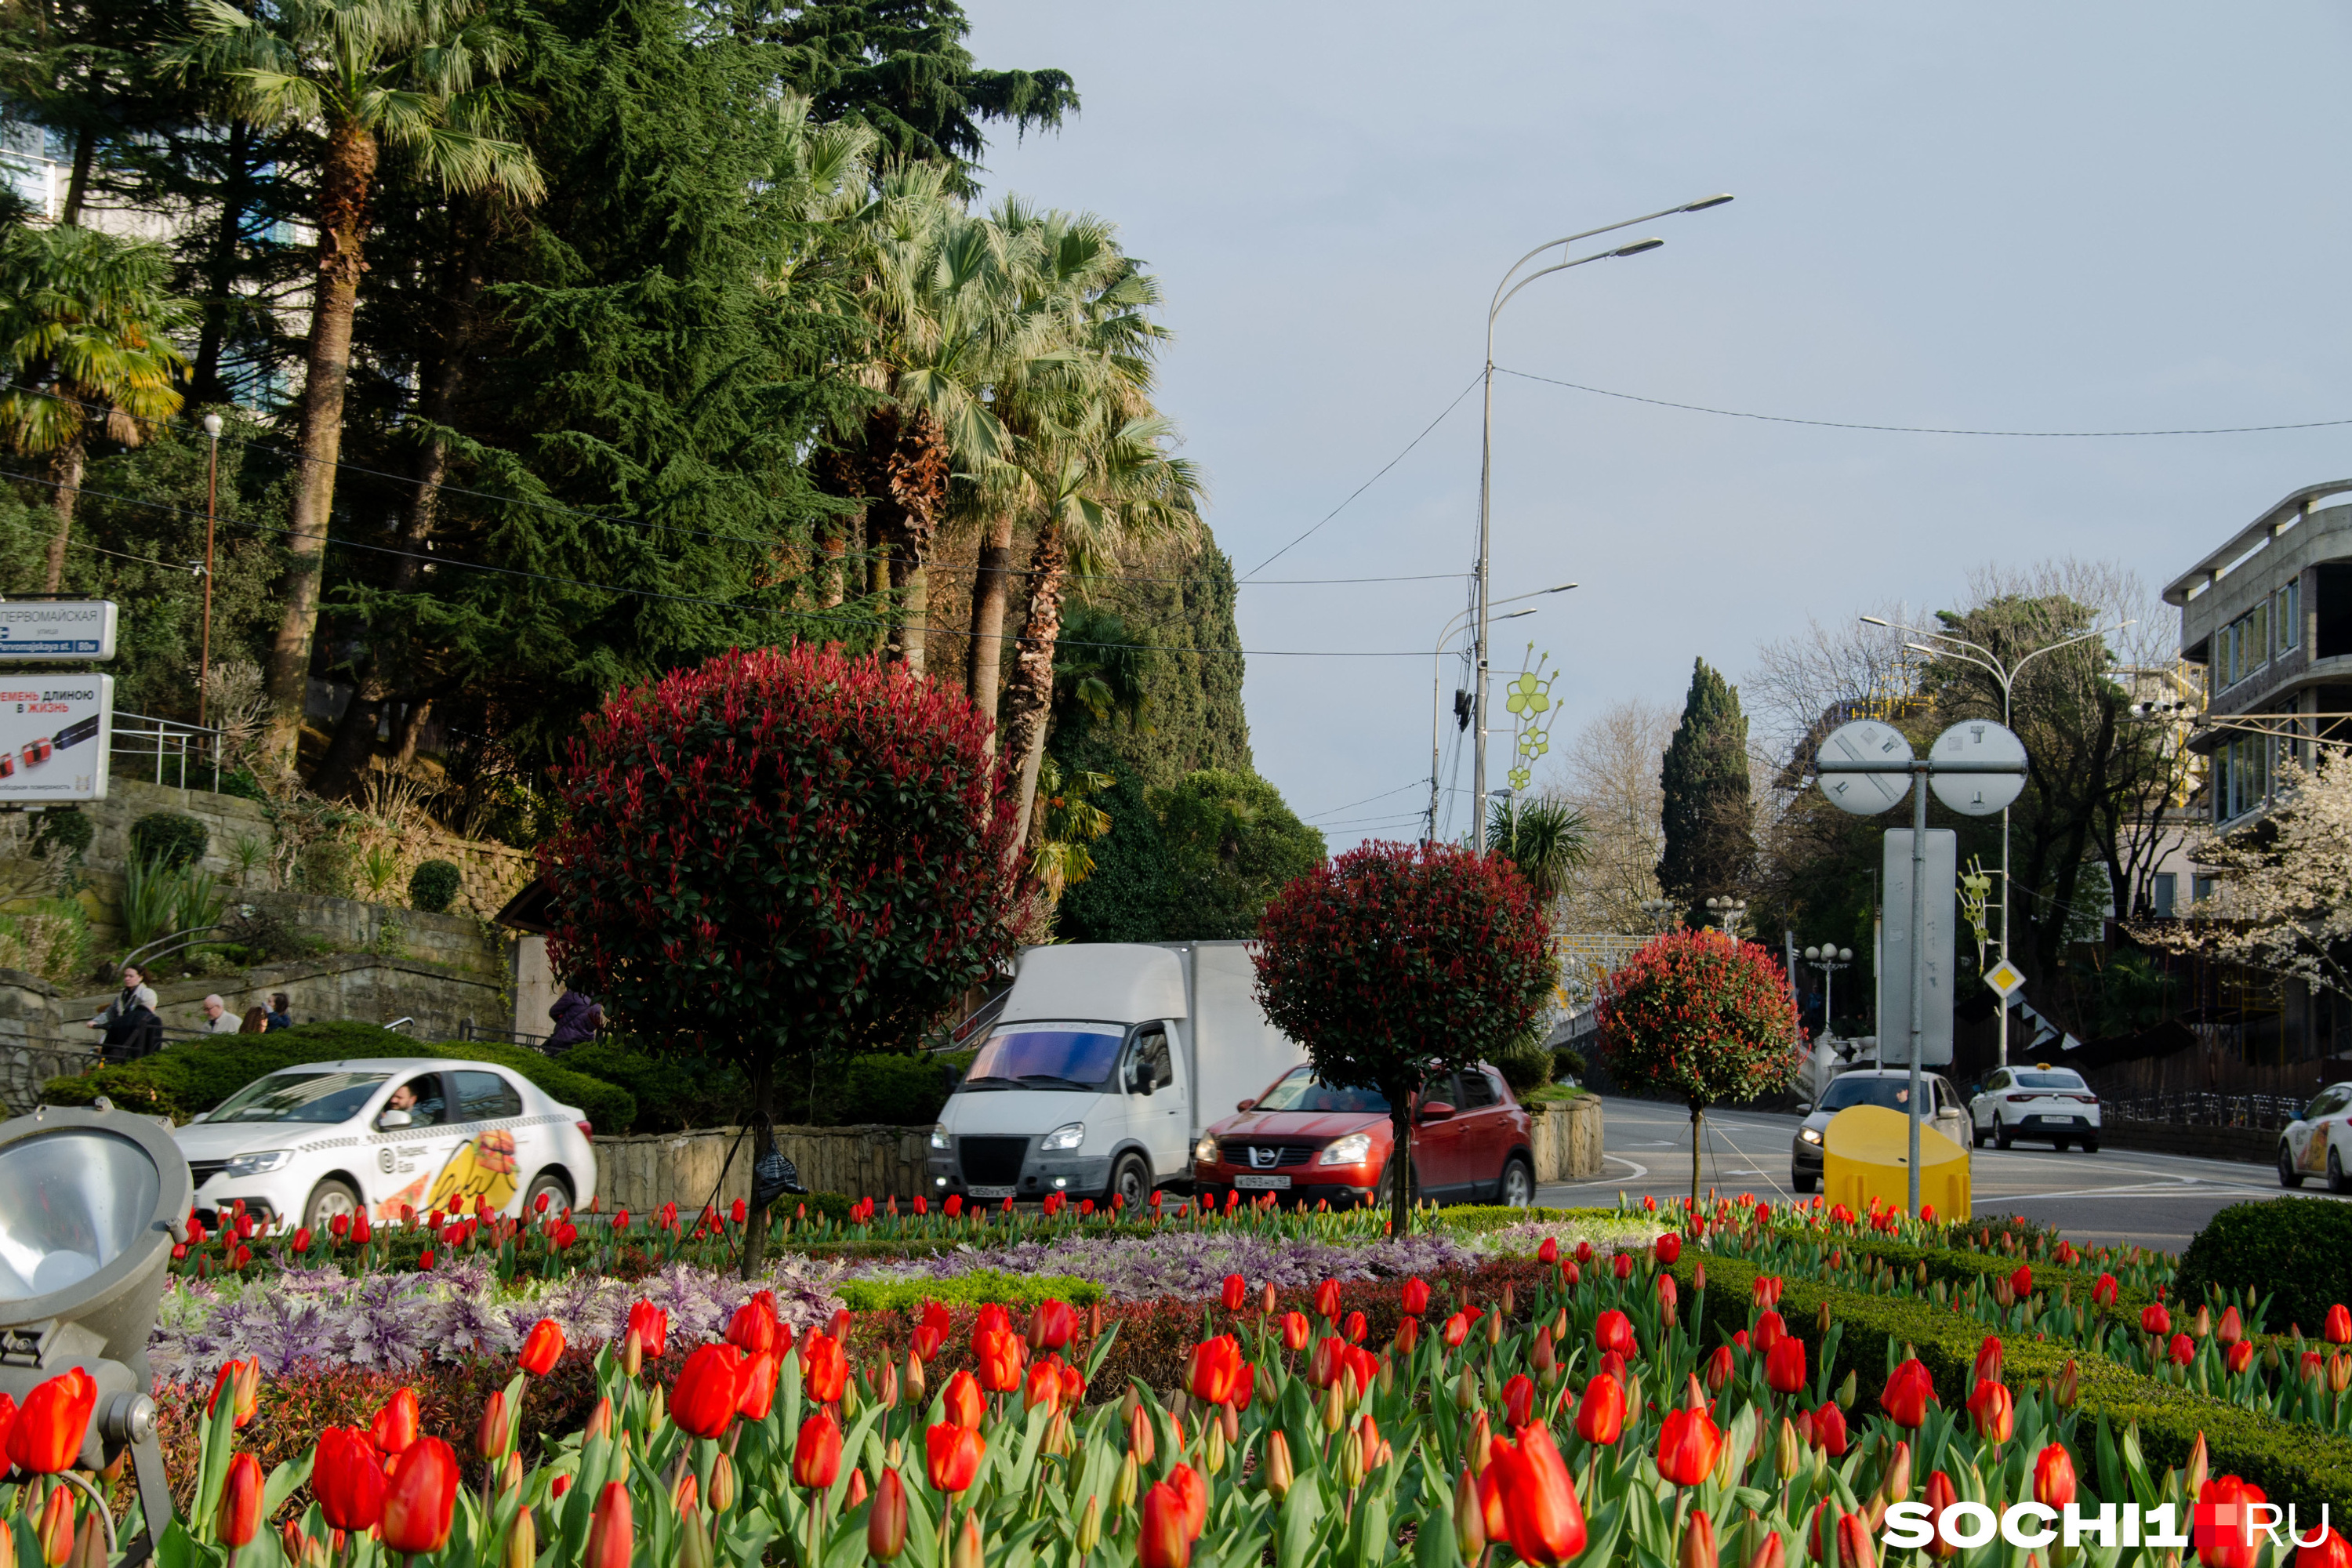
(168, 737)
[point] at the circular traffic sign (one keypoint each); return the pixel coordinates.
(1977, 741)
(1863, 741)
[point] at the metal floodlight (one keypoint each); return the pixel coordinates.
(1701, 205)
(1638, 246)
(90, 1205)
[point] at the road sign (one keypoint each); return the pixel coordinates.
(54, 733)
(1973, 792)
(1934, 961)
(57, 629)
(2004, 978)
(1864, 740)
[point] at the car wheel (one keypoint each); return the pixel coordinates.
(558, 1192)
(2001, 1139)
(1130, 1181)
(329, 1200)
(1976, 1136)
(2288, 1175)
(1802, 1182)
(2335, 1182)
(1384, 1193)
(2058, 1145)
(1517, 1187)
(2091, 1144)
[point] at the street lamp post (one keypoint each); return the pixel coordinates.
(1436, 686)
(212, 494)
(1984, 658)
(1503, 295)
(1729, 911)
(1829, 960)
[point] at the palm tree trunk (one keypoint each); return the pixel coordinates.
(991, 586)
(348, 171)
(914, 610)
(67, 465)
(1030, 697)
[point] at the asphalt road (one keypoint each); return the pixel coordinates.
(2114, 1196)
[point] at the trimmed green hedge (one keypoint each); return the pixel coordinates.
(2297, 1249)
(184, 1079)
(975, 1289)
(2293, 1462)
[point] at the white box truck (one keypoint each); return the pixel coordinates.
(1107, 1064)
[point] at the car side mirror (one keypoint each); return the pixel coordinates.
(1244, 1104)
(1435, 1110)
(1804, 1107)
(392, 1120)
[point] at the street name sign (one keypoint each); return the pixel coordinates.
(56, 630)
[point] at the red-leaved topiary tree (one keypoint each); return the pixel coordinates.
(1704, 1018)
(783, 855)
(1398, 961)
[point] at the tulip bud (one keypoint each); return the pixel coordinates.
(2339, 1371)
(521, 1549)
(1278, 1473)
(2202, 1324)
(885, 1383)
(2069, 1384)
(1698, 1542)
(1465, 1392)
(1480, 1449)
(1896, 1484)
(2194, 1475)
(693, 1542)
(1335, 1408)
(913, 1379)
(57, 1529)
(723, 1484)
(1821, 1319)
(1694, 1394)
(633, 1353)
(511, 1474)
(970, 1552)
(1788, 1451)
(1090, 1521)
(1494, 1321)
(1123, 1492)
(1469, 1518)
(1351, 1461)
(490, 1432)
(886, 1525)
(683, 1494)
(1846, 1390)
(1770, 1553)
(657, 1407)
(1212, 1446)
(599, 1420)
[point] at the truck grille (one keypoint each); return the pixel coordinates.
(1285, 1154)
(991, 1161)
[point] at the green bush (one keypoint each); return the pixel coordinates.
(327, 868)
(65, 830)
(672, 1092)
(975, 1289)
(1526, 1068)
(432, 887)
(2298, 1250)
(168, 840)
(902, 1091)
(184, 1079)
(1567, 1063)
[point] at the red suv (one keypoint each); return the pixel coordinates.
(1304, 1140)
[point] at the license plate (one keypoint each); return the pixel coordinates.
(988, 1192)
(1263, 1184)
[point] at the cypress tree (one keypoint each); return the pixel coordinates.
(1709, 843)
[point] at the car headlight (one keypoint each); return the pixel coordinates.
(1353, 1149)
(1068, 1135)
(257, 1165)
(1205, 1152)
(1809, 1134)
(939, 1136)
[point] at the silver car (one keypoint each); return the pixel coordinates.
(1889, 1087)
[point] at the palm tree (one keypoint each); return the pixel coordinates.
(414, 76)
(1100, 669)
(86, 321)
(1546, 838)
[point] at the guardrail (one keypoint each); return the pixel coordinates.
(2263, 1111)
(172, 753)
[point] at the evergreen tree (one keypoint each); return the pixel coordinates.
(1233, 843)
(1710, 845)
(1126, 899)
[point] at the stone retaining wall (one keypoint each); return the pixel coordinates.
(641, 1172)
(1568, 1141)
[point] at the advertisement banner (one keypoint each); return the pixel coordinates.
(54, 733)
(57, 629)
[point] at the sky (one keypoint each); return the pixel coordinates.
(2005, 216)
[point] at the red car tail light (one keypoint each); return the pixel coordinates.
(585, 1130)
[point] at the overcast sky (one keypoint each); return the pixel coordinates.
(2012, 216)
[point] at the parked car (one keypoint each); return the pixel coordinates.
(2313, 1143)
(310, 1143)
(1889, 1087)
(2036, 1102)
(1307, 1140)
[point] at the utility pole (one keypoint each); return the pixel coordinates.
(211, 498)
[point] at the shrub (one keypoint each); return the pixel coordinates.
(168, 840)
(902, 1091)
(1567, 1064)
(67, 831)
(672, 1092)
(192, 1077)
(327, 866)
(432, 887)
(2297, 1250)
(1526, 1067)
(50, 939)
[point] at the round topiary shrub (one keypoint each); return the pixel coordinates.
(1526, 1067)
(2297, 1251)
(432, 887)
(67, 830)
(168, 840)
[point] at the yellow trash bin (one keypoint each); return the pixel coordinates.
(1865, 1153)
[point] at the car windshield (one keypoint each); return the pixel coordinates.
(1047, 1056)
(2048, 1080)
(1893, 1093)
(325, 1097)
(1299, 1090)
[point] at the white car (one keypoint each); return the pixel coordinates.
(2315, 1143)
(2037, 1102)
(326, 1138)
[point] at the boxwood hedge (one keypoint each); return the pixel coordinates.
(2299, 1249)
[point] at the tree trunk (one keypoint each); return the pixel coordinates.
(991, 592)
(763, 1139)
(77, 182)
(914, 583)
(411, 726)
(1401, 1166)
(1030, 700)
(67, 465)
(204, 383)
(1696, 1109)
(348, 171)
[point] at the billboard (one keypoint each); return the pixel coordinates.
(57, 629)
(54, 733)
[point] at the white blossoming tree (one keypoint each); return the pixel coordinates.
(2282, 898)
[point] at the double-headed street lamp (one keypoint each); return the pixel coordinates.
(1504, 291)
(1829, 960)
(1984, 658)
(1436, 685)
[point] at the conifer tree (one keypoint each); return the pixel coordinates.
(1710, 844)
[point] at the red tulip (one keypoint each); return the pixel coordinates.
(2155, 1319)
(2184, 1349)
(2053, 1476)
(953, 1454)
(2231, 1329)
(1829, 1429)
(1043, 1385)
(2337, 1327)
(1622, 1266)
(1295, 1330)
(541, 1348)
(1854, 1547)
(886, 1527)
(825, 1367)
(2022, 1282)
(490, 1431)
(2224, 1523)
(1613, 1331)
(241, 1505)
(1688, 1445)
(420, 1496)
(2241, 1355)
(1989, 1358)
(1216, 1369)
(1416, 1297)
(1540, 1512)
(1193, 1494)
(755, 1386)
(1327, 1300)
(1456, 1330)
(816, 1457)
(1355, 1328)
(965, 1404)
(1236, 1292)
(1784, 1365)
(611, 1533)
(702, 1400)
(2103, 1293)
(1669, 1249)
(2332, 1551)
(752, 1327)
(1908, 1392)
(1548, 1253)
(1994, 1410)
(998, 1354)
(1769, 1330)
(1601, 1417)
(346, 1477)
(1519, 1400)
(1161, 1541)
(243, 1380)
(46, 1436)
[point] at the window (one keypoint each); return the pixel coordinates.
(2328, 1101)
(2201, 886)
(324, 1097)
(1477, 1090)
(487, 1096)
(1150, 1072)
(420, 1098)
(2167, 890)
(1298, 1090)
(2059, 1079)
(2286, 617)
(1051, 1055)
(1892, 1092)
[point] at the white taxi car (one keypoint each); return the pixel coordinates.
(2316, 1142)
(2036, 1102)
(309, 1143)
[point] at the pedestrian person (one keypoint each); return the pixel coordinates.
(256, 1020)
(280, 1016)
(218, 1019)
(131, 1027)
(577, 1017)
